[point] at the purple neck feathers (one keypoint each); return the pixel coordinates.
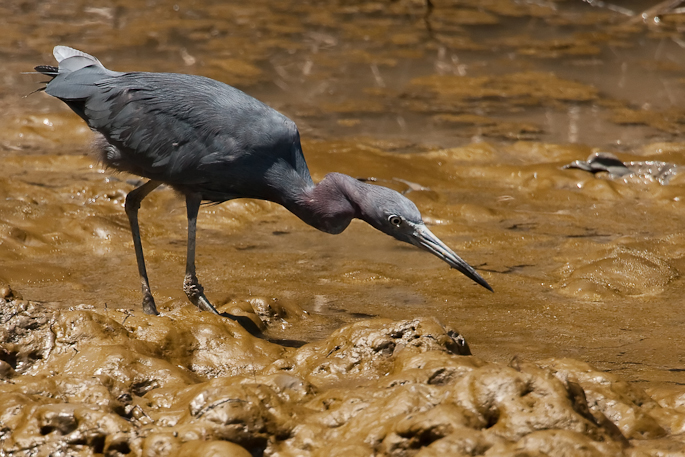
(329, 205)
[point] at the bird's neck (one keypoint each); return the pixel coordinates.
(331, 204)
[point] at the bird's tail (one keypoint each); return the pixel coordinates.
(62, 53)
(71, 60)
(47, 70)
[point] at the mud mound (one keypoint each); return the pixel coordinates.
(84, 382)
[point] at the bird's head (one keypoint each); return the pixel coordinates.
(394, 214)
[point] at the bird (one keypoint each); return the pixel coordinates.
(212, 143)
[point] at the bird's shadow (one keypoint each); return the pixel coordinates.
(286, 342)
(254, 330)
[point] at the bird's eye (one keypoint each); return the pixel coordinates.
(395, 220)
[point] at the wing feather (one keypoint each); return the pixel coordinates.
(188, 131)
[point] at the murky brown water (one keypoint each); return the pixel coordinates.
(471, 109)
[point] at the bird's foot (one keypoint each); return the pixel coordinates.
(149, 305)
(205, 305)
(196, 294)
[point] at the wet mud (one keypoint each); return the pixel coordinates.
(347, 344)
(80, 381)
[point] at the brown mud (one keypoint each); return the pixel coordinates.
(471, 109)
(84, 382)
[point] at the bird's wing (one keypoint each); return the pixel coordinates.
(189, 130)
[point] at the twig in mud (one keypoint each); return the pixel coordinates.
(218, 403)
(426, 18)
(658, 9)
(610, 7)
(128, 314)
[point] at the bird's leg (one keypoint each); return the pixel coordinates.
(132, 206)
(191, 286)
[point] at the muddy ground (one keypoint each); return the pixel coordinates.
(348, 344)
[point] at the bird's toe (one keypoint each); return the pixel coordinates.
(149, 305)
(196, 294)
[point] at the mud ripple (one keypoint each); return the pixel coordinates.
(85, 382)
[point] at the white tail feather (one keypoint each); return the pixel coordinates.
(64, 52)
(73, 60)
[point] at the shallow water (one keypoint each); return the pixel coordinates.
(472, 110)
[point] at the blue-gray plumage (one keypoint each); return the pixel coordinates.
(212, 142)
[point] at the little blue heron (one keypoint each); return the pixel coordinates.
(212, 142)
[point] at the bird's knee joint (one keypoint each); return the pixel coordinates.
(192, 287)
(131, 204)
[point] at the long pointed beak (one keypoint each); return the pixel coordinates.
(425, 239)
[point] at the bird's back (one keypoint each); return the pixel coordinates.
(191, 132)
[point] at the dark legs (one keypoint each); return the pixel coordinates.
(191, 286)
(133, 200)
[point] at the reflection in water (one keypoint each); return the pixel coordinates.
(480, 113)
(573, 118)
